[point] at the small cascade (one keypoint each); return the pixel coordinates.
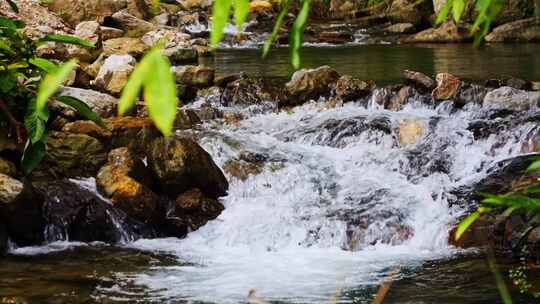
(343, 196)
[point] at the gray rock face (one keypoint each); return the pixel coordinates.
(511, 99)
(114, 73)
(308, 84)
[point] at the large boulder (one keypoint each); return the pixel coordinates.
(132, 26)
(114, 73)
(511, 99)
(446, 32)
(75, 213)
(419, 80)
(181, 164)
(348, 88)
(76, 11)
(196, 209)
(72, 155)
(242, 90)
(125, 46)
(309, 84)
(20, 211)
(526, 30)
(416, 12)
(126, 181)
(194, 76)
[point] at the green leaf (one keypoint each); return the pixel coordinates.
(155, 5)
(443, 13)
(82, 108)
(220, 16)
(160, 94)
(35, 122)
(52, 82)
(32, 156)
(67, 39)
(5, 47)
(132, 89)
(535, 166)
(7, 83)
(44, 64)
(457, 9)
(279, 22)
(466, 223)
(297, 32)
(241, 11)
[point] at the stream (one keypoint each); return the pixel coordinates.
(339, 206)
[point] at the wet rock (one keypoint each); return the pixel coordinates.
(181, 164)
(75, 213)
(416, 12)
(114, 73)
(103, 104)
(181, 55)
(309, 84)
(511, 99)
(526, 30)
(86, 127)
(76, 11)
(110, 33)
(126, 181)
(348, 88)
(195, 76)
(533, 243)
(410, 131)
(419, 80)
(232, 117)
(470, 93)
(73, 154)
(531, 143)
(242, 170)
(186, 119)
(126, 129)
(20, 211)
(535, 85)
(125, 46)
(448, 86)
(447, 32)
(171, 38)
(132, 26)
(193, 210)
(4, 246)
(517, 83)
(7, 167)
(480, 234)
(247, 91)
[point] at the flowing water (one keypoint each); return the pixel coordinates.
(339, 207)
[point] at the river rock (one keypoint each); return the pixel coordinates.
(242, 170)
(416, 12)
(76, 11)
(125, 46)
(132, 26)
(511, 99)
(309, 84)
(181, 54)
(103, 104)
(410, 131)
(419, 80)
(518, 83)
(533, 244)
(470, 93)
(526, 30)
(20, 211)
(192, 210)
(4, 238)
(348, 88)
(73, 154)
(7, 167)
(10, 188)
(400, 28)
(74, 213)
(194, 76)
(171, 38)
(90, 31)
(114, 73)
(186, 119)
(448, 86)
(181, 164)
(36, 17)
(446, 32)
(247, 91)
(126, 181)
(110, 33)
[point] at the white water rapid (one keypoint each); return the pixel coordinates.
(333, 179)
